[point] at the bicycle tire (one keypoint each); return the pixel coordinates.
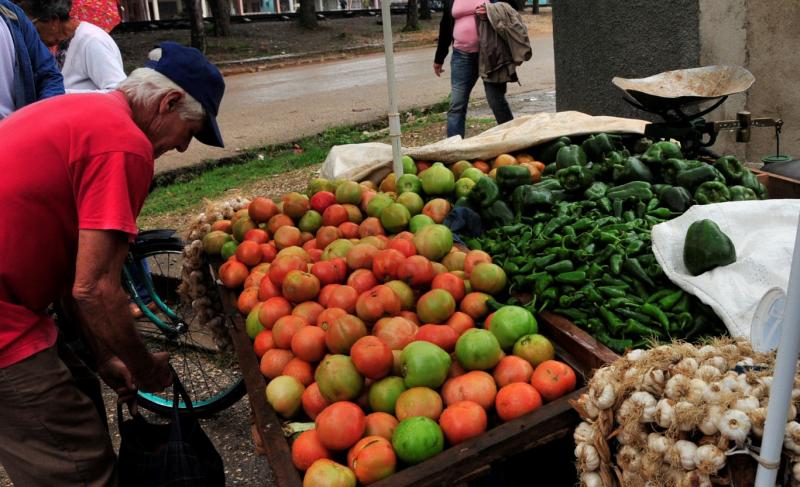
(146, 250)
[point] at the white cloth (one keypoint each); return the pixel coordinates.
(763, 233)
(7, 60)
(93, 61)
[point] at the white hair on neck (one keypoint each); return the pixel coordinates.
(147, 86)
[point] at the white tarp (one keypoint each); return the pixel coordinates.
(358, 161)
(763, 233)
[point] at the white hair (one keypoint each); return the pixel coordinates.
(147, 86)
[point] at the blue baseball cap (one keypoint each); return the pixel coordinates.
(189, 69)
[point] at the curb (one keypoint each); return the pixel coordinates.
(263, 63)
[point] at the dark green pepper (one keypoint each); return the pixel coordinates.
(570, 155)
(632, 170)
(661, 151)
(712, 192)
(463, 202)
(550, 169)
(740, 193)
(509, 177)
(749, 180)
(706, 247)
(654, 312)
(574, 178)
(692, 178)
(497, 214)
(571, 277)
(731, 168)
(527, 198)
(677, 199)
(485, 192)
(596, 191)
(559, 267)
(671, 168)
(598, 145)
(641, 190)
(551, 184)
(549, 150)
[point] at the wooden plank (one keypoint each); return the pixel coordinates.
(279, 455)
(575, 342)
(779, 187)
(551, 421)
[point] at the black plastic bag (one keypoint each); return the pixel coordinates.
(178, 454)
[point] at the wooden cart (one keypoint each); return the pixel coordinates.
(455, 465)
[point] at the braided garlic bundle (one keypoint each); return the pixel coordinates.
(671, 415)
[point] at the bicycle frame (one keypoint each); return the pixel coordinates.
(133, 269)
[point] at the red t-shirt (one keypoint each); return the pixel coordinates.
(67, 163)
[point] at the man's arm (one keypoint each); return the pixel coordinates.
(102, 307)
(47, 77)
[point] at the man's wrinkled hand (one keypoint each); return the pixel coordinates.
(159, 377)
(117, 376)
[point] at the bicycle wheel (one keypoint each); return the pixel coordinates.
(211, 375)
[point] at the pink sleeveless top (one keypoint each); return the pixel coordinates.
(465, 30)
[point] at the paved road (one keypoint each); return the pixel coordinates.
(286, 104)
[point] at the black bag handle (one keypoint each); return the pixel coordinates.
(178, 391)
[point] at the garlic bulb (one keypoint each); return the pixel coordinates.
(686, 415)
(791, 439)
(734, 425)
(677, 387)
(717, 362)
(746, 404)
(647, 403)
(654, 382)
(709, 459)
(708, 373)
(665, 413)
(708, 425)
(631, 375)
(632, 434)
(730, 382)
(686, 451)
(588, 458)
(584, 433)
(693, 479)
(713, 394)
(758, 417)
(591, 479)
(605, 396)
(658, 443)
(687, 367)
(628, 411)
(636, 355)
(697, 389)
(629, 459)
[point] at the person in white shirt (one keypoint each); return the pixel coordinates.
(88, 57)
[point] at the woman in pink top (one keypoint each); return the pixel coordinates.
(459, 27)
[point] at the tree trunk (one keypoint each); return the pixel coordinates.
(307, 14)
(424, 9)
(194, 9)
(412, 17)
(221, 10)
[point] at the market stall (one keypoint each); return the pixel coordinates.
(403, 330)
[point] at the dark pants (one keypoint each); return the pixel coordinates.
(50, 431)
(464, 72)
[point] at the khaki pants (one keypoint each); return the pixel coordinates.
(50, 432)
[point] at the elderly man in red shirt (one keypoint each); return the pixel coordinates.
(74, 173)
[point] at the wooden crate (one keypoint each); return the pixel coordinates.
(468, 460)
(779, 187)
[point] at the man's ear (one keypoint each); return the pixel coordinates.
(170, 101)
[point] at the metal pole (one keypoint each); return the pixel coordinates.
(394, 116)
(783, 381)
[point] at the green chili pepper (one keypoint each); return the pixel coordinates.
(612, 320)
(555, 224)
(619, 345)
(712, 192)
(634, 326)
(571, 313)
(612, 291)
(670, 300)
(654, 312)
(572, 277)
(615, 263)
(559, 267)
(634, 267)
(543, 283)
(658, 295)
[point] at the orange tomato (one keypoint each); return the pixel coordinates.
(553, 379)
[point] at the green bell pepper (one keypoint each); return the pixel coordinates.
(485, 192)
(731, 168)
(749, 180)
(632, 170)
(551, 184)
(509, 177)
(498, 214)
(712, 192)
(677, 199)
(550, 169)
(527, 197)
(692, 178)
(740, 193)
(671, 168)
(706, 247)
(549, 150)
(575, 178)
(661, 151)
(596, 191)
(570, 155)
(464, 202)
(596, 146)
